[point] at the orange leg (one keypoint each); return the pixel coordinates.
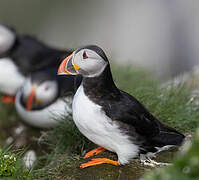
(8, 99)
(94, 152)
(98, 161)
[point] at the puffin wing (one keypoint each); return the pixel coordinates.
(130, 111)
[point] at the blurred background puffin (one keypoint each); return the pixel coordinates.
(46, 97)
(21, 55)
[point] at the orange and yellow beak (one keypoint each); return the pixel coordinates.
(31, 97)
(67, 67)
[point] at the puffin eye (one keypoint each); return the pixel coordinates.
(85, 55)
(46, 88)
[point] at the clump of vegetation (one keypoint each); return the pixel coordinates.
(65, 137)
(185, 166)
(7, 163)
(11, 165)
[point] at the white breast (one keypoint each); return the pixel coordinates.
(100, 129)
(47, 117)
(10, 78)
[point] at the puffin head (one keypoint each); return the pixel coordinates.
(39, 91)
(89, 61)
(7, 38)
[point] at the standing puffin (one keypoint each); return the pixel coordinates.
(45, 96)
(21, 55)
(110, 117)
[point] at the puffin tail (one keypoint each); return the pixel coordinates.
(168, 136)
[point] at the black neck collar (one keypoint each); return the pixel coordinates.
(100, 87)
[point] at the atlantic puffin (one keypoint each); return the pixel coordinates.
(110, 117)
(21, 55)
(46, 97)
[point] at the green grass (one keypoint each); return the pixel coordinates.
(66, 146)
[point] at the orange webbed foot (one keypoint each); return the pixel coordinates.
(94, 152)
(8, 99)
(97, 161)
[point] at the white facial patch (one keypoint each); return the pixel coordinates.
(91, 66)
(7, 39)
(47, 91)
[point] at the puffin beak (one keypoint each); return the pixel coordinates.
(31, 98)
(67, 67)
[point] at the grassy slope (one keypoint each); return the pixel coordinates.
(67, 145)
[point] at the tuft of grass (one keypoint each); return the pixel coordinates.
(65, 145)
(12, 166)
(65, 137)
